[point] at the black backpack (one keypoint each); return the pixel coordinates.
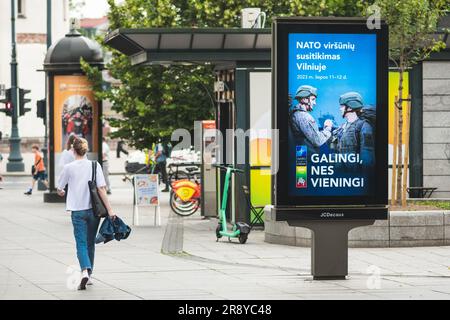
(369, 114)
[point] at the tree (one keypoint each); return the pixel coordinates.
(75, 6)
(154, 100)
(411, 25)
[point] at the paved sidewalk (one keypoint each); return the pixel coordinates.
(117, 165)
(38, 260)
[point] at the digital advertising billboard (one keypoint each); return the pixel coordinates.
(330, 107)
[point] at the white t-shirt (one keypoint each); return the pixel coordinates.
(66, 157)
(105, 151)
(77, 174)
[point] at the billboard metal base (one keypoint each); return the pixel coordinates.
(329, 246)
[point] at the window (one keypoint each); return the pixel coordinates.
(21, 8)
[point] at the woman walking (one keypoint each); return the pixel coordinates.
(76, 175)
(67, 155)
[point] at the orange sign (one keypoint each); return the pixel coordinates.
(75, 111)
(209, 124)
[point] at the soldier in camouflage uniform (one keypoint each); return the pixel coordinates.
(303, 126)
(356, 135)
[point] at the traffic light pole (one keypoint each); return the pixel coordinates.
(41, 185)
(15, 160)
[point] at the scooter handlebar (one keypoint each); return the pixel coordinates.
(228, 167)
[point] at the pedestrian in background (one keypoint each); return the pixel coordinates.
(67, 155)
(85, 225)
(1, 159)
(120, 149)
(105, 159)
(37, 170)
(161, 162)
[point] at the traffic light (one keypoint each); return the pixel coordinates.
(22, 101)
(41, 110)
(9, 108)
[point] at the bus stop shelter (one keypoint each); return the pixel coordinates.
(242, 65)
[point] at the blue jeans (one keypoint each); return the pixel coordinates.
(85, 226)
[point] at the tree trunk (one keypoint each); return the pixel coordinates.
(394, 156)
(400, 135)
(406, 157)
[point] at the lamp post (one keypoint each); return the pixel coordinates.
(15, 160)
(41, 185)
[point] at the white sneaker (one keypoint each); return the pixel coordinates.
(84, 280)
(90, 283)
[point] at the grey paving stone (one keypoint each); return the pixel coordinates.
(369, 233)
(368, 243)
(436, 70)
(302, 233)
(290, 241)
(417, 233)
(436, 86)
(303, 242)
(416, 243)
(426, 218)
(447, 218)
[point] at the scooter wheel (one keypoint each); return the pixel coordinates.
(218, 229)
(243, 238)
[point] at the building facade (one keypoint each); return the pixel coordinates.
(31, 38)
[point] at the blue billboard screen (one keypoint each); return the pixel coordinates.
(332, 102)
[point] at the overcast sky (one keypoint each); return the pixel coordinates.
(93, 9)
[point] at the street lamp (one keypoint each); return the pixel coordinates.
(15, 160)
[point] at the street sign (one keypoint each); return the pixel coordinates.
(330, 107)
(146, 187)
(146, 194)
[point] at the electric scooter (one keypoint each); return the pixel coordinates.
(239, 230)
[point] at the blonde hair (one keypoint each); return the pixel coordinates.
(80, 145)
(70, 141)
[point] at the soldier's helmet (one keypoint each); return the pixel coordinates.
(305, 91)
(353, 100)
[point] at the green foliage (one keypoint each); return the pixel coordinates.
(410, 24)
(435, 203)
(76, 5)
(154, 100)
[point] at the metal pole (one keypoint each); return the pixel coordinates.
(15, 160)
(49, 23)
(41, 185)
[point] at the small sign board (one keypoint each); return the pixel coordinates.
(146, 188)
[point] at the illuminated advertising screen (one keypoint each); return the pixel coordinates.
(331, 112)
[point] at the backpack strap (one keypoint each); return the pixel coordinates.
(39, 161)
(94, 172)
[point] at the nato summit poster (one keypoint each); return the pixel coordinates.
(332, 113)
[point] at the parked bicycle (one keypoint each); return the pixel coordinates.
(180, 171)
(185, 194)
(148, 169)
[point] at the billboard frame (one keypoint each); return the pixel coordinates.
(281, 29)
